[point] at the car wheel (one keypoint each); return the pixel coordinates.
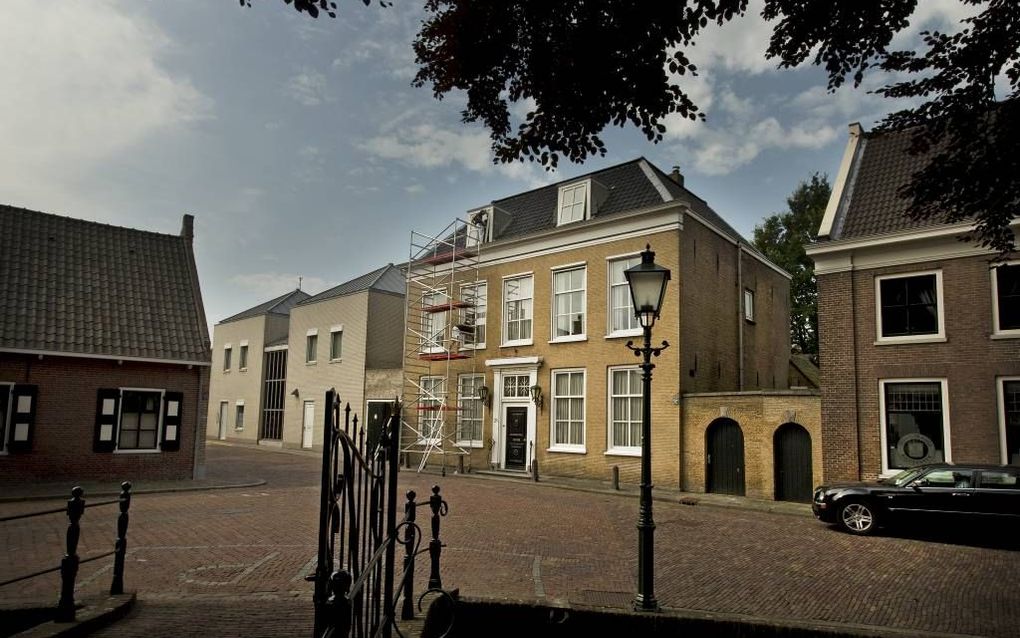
(858, 517)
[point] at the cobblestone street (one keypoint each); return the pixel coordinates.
(232, 562)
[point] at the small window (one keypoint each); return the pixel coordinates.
(1006, 291)
(311, 345)
(226, 358)
(516, 386)
(336, 344)
(749, 305)
(568, 410)
(573, 203)
(242, 358)
(955, 477)
(239, 417)
(568, 303)
(517, 313)
(621, 309)
(139, 420)
(910, 306)
(625, 410)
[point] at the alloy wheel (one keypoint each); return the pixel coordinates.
(857, 518)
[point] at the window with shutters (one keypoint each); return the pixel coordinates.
(17, 417)
(135, 420)
(139, 420)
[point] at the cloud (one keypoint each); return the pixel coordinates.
(724, 150)
(82, 83)
(274, 284)
(307, 87)
(414, 189)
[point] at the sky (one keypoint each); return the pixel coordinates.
(302, 149)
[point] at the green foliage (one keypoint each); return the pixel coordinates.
(782, 238)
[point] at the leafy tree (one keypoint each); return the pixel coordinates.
(588, 64)
(782, 238)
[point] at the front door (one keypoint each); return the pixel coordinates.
(791, 446)
(378, 411)
(309, 421)
(725, 458)
(224, 413)
(516, 437)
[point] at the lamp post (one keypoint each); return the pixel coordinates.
(647, 282)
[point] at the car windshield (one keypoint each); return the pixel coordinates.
(904, 477)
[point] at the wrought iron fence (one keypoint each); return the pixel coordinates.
(357, 589)
(70, 563)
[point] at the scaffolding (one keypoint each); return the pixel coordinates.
(442, 298)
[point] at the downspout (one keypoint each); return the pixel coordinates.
(680, 364)
(853, 345)
(740, 320)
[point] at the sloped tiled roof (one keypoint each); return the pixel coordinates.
(872, 204)
(81, 287)
(807, 368)
(279, 306)
(389, 278)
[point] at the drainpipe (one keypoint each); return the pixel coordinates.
(740, 320)
(853, 345)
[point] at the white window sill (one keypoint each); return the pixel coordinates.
(310, 363)
(620, 451)
(465, 346)
(242, 370)
(567, 449)
(570, 339)
(515, 344)
(227, 371)
(471, 444)
(156, 451)
(624, 333)
(1006, 334)
(427, 441)
(887, 341)
(340, 360)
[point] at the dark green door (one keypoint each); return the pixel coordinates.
(791, 447)
(516, 437)
(724, 462)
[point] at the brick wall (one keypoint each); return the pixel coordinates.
(837, 363)
(66, 415)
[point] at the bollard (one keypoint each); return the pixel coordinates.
(616, 477)
(534, 469)
(410, 512)
(69, 564)
(120, 547)
(439, 508)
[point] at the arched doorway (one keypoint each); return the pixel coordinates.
(724, 460)
(791, 447)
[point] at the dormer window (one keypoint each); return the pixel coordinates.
(573, 204)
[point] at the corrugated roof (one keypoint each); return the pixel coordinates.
(81, 287)
(389, 278)
(280, 306)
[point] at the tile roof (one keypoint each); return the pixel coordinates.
(872, 204)
(279, 306)
(86, 288)
(389, 278)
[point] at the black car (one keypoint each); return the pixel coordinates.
(975, 492)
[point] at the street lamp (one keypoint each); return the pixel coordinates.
(647, 282)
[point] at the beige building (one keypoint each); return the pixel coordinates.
(518, 320)
(249, 349)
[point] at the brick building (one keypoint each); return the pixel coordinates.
(272, 364)
(919, 332)
(518, 318)
(104, 351)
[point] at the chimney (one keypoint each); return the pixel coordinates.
(676, 176)
(188, 227)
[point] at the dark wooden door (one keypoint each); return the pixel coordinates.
(791, 446)
(516, 437)
(378, 412)
(725, 459)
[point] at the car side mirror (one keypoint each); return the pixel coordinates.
(919, 483)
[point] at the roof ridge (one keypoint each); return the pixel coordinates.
(569, 179)
(88, 221)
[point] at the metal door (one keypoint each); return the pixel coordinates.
(724, 463)
(516, 437)
(224, 414)
(791, 447)
(308, 424)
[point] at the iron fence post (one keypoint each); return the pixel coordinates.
(392, 452)
(120, 547)
(435, 545)
(69, 564)
(324, 562)
(410, 514)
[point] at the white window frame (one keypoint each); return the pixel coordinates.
(333, 331)
(997, 332)
(625, 332)
(228, 350)
(159, 421)
(434, 324)
(946, 441)
(504, 317)
(584, 187)
(313, 352)
(748, 305)
(1000, 392)
(940, 306)
(583, 335)
(474, 443)
(438, 414)
(611, 448)
(9, 389)
(239, 404)
(572, 448)
(242, 356)
(484, 305)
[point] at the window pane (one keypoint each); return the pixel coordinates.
(311, 344)
(1011, 418)
(1008, 289)
(950, 478)
(147, 439)
(914, 426)
(909, 306)
(998, 480)
(128, 439)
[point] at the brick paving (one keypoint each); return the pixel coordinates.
(231, 562)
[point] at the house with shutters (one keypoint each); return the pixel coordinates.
(104, 351)
(919, 332)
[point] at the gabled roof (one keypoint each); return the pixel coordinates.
(630, 186)
(89, 289)
(279, 306)
(389, 279)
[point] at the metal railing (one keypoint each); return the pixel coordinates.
(70, 562)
